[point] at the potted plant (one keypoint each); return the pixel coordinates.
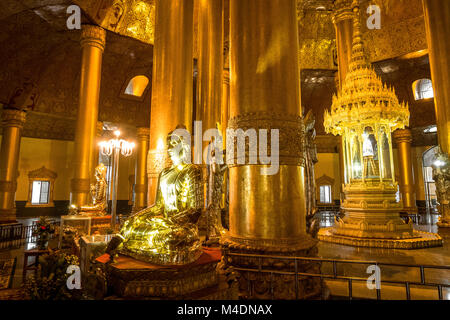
(43, 230)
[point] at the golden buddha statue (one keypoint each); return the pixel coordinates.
(167, 232)
(98, 193)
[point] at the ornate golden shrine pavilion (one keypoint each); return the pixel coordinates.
(365, 112)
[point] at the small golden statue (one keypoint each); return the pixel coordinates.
(98, 193)
(311, 160)
(214, 224)
(167, 232)
(441, 175)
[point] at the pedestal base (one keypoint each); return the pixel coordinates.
(420, 240)
(131, 278)
(255, 277)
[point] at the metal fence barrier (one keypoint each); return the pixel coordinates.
(14, 236)
(334, 275)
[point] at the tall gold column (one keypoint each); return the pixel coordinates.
(226, 68)
(437, 26)
(403, 139)
(343, 23)
(140, 182)
(12, 122)
(210, 61)
(172, 81)
(267, 212)
(93, 44)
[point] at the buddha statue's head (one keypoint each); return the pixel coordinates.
(178, 147)
(100, 171)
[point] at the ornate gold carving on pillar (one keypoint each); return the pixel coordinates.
(267, 212)
(403, 137)
(13, 121)
(437, 26)
(140, 182)
(172, 81)
(92, 41)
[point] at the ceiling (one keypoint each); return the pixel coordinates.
(37, 45)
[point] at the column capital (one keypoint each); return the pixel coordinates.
(402, 135)
(291, 132)
(342, 11)
(93, 36)
(13, 118)
(143, 132)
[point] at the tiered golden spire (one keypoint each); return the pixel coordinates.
(364, 99)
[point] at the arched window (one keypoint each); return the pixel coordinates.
(423, 89)
(136, 87)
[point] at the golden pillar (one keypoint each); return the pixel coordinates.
(140, 182)
(210, 62)
(12, 122)
(267, 211)
(343, 23)
(226, 68)
(403, 137)
(172, 81)
(437, 26)
(93, 44)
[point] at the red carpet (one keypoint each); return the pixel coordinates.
(209, 255)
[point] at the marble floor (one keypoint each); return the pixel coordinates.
(16, 251)
(439, 256)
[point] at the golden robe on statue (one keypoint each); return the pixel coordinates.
(167, 232)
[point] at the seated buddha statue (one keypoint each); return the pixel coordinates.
(167, 232)
(98, 193)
